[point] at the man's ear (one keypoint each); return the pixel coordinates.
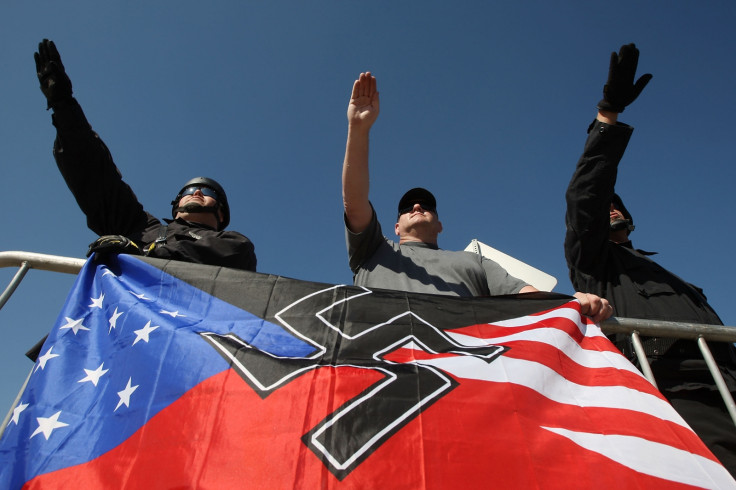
(439, 224)
(396, 228)
(220, 215)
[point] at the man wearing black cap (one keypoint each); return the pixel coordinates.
(200, 210)
(415, 263)
(602, 261)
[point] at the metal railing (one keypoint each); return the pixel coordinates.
(634, 327)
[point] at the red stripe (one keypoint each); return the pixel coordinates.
(558, 361)
(491, 331)
(481, 435)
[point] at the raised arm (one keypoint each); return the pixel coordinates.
(85, 162)
(592, 185)
(362, 113)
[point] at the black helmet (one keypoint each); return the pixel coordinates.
(221, 201)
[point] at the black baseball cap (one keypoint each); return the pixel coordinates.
(417, 195)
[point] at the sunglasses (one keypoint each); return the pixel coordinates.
(410, 207)
(206, 191)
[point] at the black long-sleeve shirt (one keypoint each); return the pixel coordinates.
(112, 207)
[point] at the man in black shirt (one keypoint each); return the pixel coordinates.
(200, 210)
(603, 261)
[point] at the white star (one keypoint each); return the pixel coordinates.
(46, 425)
(45, 358)
(143, 333)
(114, 319)
(172, 314)
(125, 394)
(97, 302)
(75, 325)
(94, 375)
(139, 296)
(16, 412)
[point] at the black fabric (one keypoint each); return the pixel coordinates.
(638, 287)
(253, 292)
(112, 208)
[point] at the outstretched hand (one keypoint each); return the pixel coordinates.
(55, 84)
(594, 307)
(620, 89)
(364, 104)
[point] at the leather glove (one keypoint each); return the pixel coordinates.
(620, 89)
(55, 84)
(115, 244)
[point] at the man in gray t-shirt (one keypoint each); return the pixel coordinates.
(420, 266)
(415, 263)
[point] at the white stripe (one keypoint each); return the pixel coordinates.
(589, 330)
(559, 340)
(551, 385)
(652, 458)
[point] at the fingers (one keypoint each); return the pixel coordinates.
(641, 83)
(594, 307)
(54, 53)
(612, 64)
(364, 92)
(364, 86)
(44, 55)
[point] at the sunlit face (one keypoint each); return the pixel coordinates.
(198, 198)
(196, 195)
(419, 221)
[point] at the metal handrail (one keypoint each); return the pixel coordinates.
(54, 263)
(692, 331)
(25, 261)
(632, 326)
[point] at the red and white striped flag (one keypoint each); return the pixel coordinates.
(169, 375)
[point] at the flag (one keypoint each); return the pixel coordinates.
(163, 374)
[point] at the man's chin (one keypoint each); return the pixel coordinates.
(193, 208)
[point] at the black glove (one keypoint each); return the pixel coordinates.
(620, 89)
(55, 84)
(115, 244)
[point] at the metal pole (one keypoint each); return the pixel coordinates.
(660, 328)
(14, 283)
(718, 377)
(645, 367)
(6, 421)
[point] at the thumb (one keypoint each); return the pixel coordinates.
(641, 83)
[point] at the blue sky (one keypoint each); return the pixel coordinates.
(484, 103)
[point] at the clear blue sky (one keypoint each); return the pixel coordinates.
(484, 103)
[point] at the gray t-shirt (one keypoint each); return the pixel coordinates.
(378, 262)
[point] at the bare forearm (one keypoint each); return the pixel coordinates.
(355, 179)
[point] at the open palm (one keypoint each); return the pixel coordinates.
(364, 103)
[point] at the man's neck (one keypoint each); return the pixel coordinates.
(414, 239)
(205, 219)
